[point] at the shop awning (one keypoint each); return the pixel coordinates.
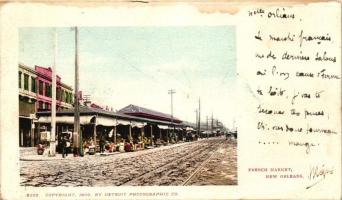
(163, 127)
(207, 132)
(105, 121)
(138, 124)
(65, 119)
(122, 122)
(189, 129)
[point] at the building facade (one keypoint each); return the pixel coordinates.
(27, 104)
(35, 93)
(64, 97)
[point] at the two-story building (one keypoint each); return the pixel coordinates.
(35, 93)
(64, 97)
(27, 104)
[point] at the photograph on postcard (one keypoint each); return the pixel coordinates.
(127, 106)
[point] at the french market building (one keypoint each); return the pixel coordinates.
(128, 124)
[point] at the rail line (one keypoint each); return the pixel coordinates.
(168, 165)
(200, 167)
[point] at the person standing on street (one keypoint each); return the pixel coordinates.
(64, 146)
(102, 144)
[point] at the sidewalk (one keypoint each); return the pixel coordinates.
(44, 157)
(30, 154)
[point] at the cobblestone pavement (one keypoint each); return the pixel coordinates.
(219, 169)
(167, 165)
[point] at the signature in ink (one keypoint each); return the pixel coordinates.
(318, 174)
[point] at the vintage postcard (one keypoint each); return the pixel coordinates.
(173, 100)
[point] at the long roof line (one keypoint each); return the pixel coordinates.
(84, 110)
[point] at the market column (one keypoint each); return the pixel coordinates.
(32, 133)
(130, 132)
(114, 134)
(142, 137)
(38, 132)
(160, 134)
(151, 126)
(94, 132)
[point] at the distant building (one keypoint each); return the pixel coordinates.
(94, 105)
(137, 111)
(35, 91)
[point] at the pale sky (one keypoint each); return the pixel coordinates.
(138, 65)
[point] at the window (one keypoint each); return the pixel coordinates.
(33, 84)
(71, 98)
(19, 76)
(63, 95)
(50, 90)
(26, 82)
(58, 95)
(40, 105)
(47, 90)
(41, 87)
(67, 97)
(47, 106)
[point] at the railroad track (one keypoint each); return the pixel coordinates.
(175, 165)
(149, 177)
(198, 169)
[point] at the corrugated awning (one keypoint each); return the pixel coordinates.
(189, 129)
(105, 121)
(65, 119)
(122, 122)
(163, 127)
(207, 132)
(138, 124)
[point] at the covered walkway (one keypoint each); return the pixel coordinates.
(114, 128)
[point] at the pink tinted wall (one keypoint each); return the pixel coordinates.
(45, 75)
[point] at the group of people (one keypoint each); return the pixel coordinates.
(122, 146)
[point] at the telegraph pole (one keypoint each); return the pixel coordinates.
(207, 126)
(199, 117)
(171, 92)
(53, 103)
(76, 136)
(196, 111)
(212, 123)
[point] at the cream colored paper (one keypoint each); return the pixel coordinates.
(313, 158)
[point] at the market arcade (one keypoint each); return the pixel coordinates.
(140, 126)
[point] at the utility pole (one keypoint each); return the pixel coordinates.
(207, 126)
(53, 103)
(199, 116)
(212, 124)
(171, 92)
(76, 136)
(196, 111)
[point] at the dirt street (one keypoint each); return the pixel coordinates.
(213, 161)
